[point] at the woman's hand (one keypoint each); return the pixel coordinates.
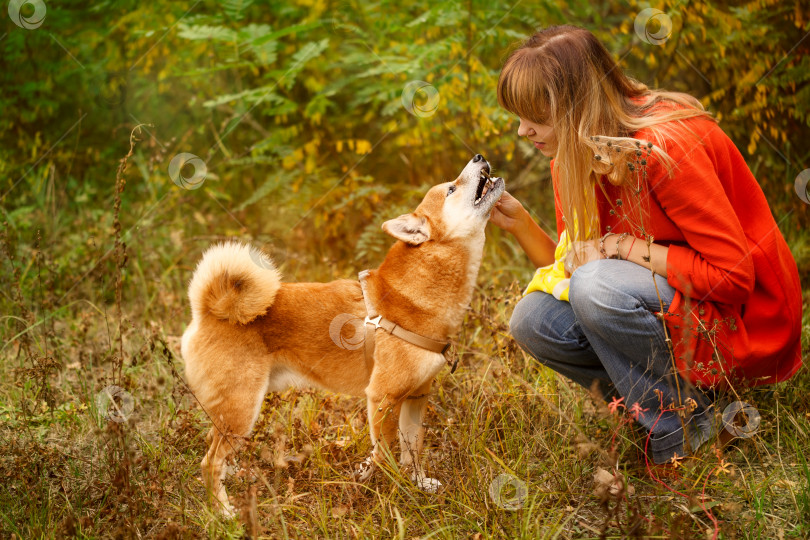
(508, 213)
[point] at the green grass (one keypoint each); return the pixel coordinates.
(68, 471)
(287, 180)
(515, 446)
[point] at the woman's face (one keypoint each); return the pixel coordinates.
(541, 135)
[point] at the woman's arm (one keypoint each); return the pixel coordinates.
(714, 263)
(628, 248)
(654, 258)
(509, 215)
(635, 250)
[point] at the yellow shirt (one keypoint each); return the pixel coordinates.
(551, 279)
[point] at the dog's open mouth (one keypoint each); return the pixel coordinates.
(484, 185)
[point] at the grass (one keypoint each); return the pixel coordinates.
(68, 471)
(515, 446)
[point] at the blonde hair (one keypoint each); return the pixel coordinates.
(564, 77)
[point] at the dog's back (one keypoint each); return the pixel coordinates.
(245, 320)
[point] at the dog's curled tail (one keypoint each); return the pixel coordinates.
(233, 282)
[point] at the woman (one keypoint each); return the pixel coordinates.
(670, 278)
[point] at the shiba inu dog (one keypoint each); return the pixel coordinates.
(251, 333)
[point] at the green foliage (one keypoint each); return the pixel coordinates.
(312, 92)
(296, 109)
(253, 57)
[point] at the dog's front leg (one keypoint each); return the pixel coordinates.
(412, 436)
(382, 422)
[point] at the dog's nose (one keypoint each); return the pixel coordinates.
(477, 158)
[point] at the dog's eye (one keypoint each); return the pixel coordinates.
(450, 190)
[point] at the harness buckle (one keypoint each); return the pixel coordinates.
(375, 321)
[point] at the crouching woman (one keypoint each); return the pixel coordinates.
(669, 278)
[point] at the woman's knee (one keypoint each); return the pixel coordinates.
(541, 324)
(610, 287)
(587, 291)
(520, 326)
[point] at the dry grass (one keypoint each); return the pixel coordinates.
(68, 470)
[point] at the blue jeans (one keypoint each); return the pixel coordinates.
(609, 335)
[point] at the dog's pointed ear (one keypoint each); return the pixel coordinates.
(409, 228)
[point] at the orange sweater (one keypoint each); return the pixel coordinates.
(736, 316)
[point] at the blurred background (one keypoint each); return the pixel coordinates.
(315, 121)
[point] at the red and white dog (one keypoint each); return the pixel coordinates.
(251, 333)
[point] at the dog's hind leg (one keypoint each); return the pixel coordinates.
(213, 467)
(412, 436)
(233, 419)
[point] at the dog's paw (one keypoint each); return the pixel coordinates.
(231, 469)
(428, 485)
(224, 506)
(365, 469)
(227, 511)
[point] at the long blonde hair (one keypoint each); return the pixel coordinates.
(564, 77)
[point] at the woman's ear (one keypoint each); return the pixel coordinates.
(409, 228)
